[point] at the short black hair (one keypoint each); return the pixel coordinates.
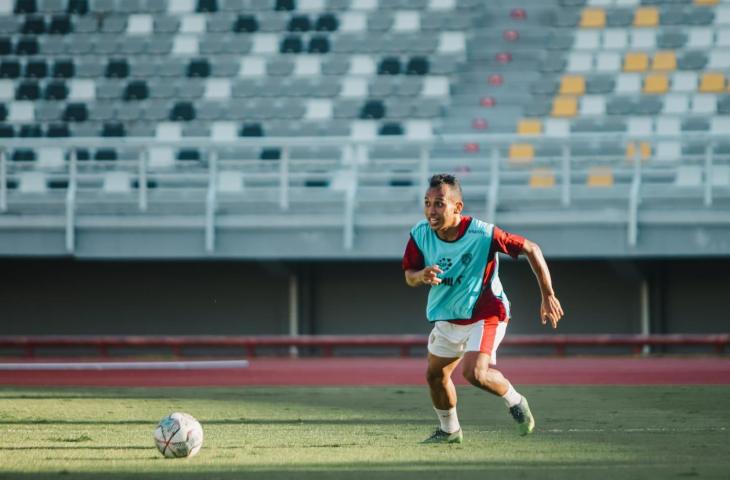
(445, 179)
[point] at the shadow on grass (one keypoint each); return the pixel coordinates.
(182, 469)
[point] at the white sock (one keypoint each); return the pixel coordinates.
(512, 398)
(449, 420)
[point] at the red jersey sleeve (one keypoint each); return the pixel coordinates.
(508, 243)
(413, 257)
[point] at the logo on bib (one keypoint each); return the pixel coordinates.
(445, 263)
(466, 258)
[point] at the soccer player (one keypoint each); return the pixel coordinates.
(456, 255)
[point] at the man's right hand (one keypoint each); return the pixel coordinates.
(429, 275)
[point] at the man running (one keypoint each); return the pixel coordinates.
(456, 255)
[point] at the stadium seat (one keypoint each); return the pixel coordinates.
(656, 84)
(646, 17)
(712, 82)
(542, 178)
(644, 150)
(600, 177)
(664, 61)
(521, 153)
(564, 106)
(529, 127)
(636, 62)
(572, 85)
(593, 18)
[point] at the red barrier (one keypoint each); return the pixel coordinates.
(327, 343)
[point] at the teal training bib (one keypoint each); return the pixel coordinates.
(463, 263)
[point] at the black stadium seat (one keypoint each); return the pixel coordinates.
(417, 66)
(56, 90)
(291, 44)
(27, 46)
(117, 68)
(319, 44)
(6, 46)
(286, 5)
(36, 69)
(30, 131)
(270, 154)
(25, 6)
(6, 131)
(299, 23)
(188, 154)
(252, 130)
(58, 130)
(9, 69)
(78, 7)
(389, 66)
(28, 90)
(246, 24)
(373, 109)
(326, 22)
(60, 25)
(207, 6)
(182, 111)
(64, 68)
(75, 112)
(34, 25)
(199, 67)
(391, 128)
(113, 129)
(106, 154)
(136, 90)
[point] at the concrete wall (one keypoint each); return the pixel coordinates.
(90, 297)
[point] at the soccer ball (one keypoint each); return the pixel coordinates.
(178, 435)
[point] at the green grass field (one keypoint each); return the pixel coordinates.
(366, 432)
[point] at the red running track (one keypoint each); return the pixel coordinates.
(397, 371)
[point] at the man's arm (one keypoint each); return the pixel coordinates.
(424, 276)
(550, 309)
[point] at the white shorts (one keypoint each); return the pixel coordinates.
(449, 340)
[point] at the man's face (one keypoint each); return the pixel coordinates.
(442, 207)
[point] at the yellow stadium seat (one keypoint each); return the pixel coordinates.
(572, 85)
(529, 127)
(664, 61)
(656, 84)
(706, 2)
(636, 62)
(542, 178)
(646, 17)
(644, 150)
(593, 18)
(712, 82)
(600, 177)
(521, 152)
(565, 106)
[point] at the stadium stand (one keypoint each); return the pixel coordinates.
(179, 106)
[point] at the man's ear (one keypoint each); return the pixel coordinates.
(458, 206)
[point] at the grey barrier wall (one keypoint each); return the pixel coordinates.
(63, 296)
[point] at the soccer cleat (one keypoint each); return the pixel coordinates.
(439, 436)
(523, 416)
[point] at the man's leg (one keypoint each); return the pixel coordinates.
(443, 396)
(480, 374)
(481, 348)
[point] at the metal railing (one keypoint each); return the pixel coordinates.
(354, 161)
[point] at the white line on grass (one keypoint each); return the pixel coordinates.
(167, 365)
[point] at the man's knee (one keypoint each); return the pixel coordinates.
(480, 376)
(436, 376)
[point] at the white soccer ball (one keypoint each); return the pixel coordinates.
(178, 435)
